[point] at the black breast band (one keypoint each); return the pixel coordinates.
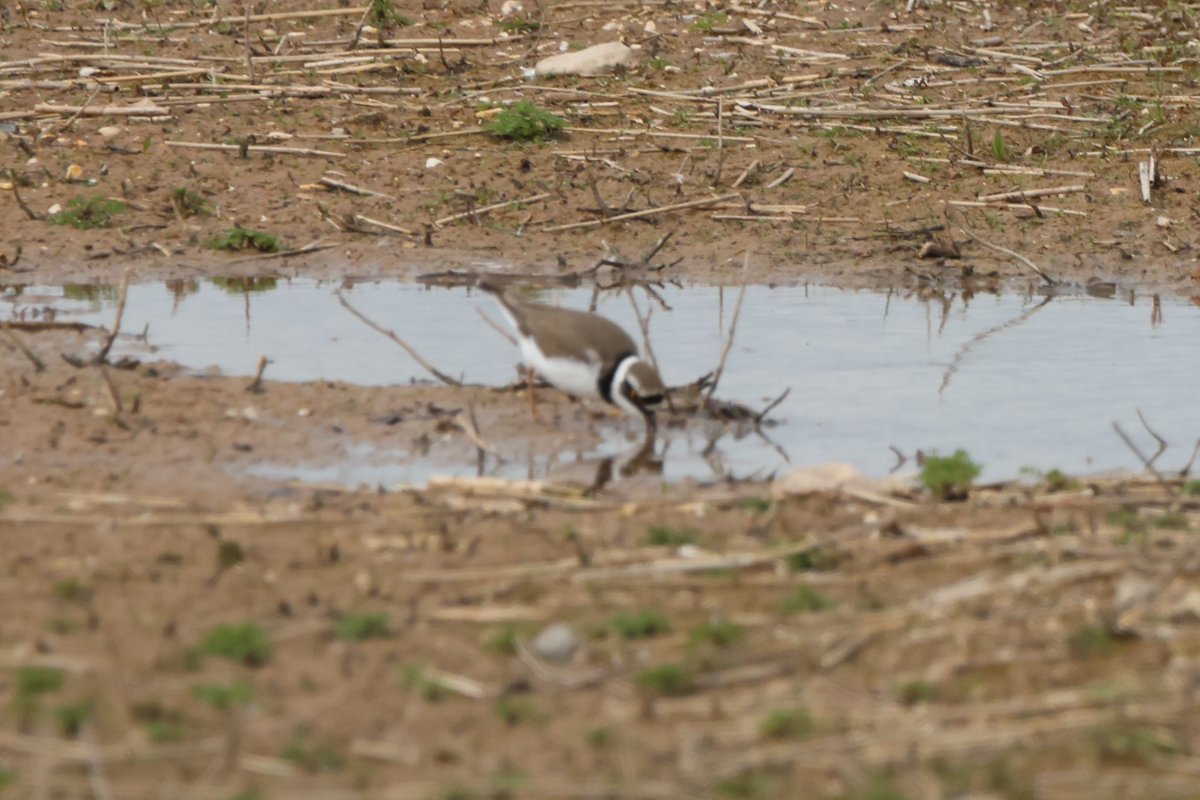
(606, 377)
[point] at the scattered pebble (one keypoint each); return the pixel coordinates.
(54, 209)
(74, 172)
(589, 61)
(433, 163)
(556, 642)
(109, 131)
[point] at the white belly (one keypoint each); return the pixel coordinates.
(576, 377)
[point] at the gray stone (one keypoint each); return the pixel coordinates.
(556, 642)
(589, 61)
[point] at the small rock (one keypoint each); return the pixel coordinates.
(1163, 222)
(74, 172)
(433, 163)
(54, 209)
(509, 7)
(589, 61)
(109, 131)
(556, 642)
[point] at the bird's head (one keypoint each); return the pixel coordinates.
(638, 388)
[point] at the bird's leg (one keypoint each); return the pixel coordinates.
(532, 398)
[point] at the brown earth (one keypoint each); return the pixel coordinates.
(1030, 642)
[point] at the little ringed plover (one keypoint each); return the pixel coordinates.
(581, 353)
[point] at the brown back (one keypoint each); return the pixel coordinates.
(563, 332)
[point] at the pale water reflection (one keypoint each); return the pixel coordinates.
(1015, 380)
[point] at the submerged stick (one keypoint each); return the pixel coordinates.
(432, 370)
(737, 310)
(116, 328)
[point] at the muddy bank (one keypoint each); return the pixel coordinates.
(828, 141)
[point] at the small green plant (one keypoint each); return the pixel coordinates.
(503, 640)
(805, 600)
(718, 633)
(748, 785)
(667, 680)
(383, 17)
(1172, 520)
(999, 148)
(911, 693)
(665, 536)
(759, 505)
(709, 20)
(950, 477)
(229, 554)
(416, 678)
(1090, 641)
(72, 717)
(164, 731)
(359, 627)
(71, 590)
(525, 122)
(1132, 743)
(788, 723)
(601, 738)
(818, 558)
(658, 63)
(516, 710)
(6, 497)
(1133, 526)
(312, 757)
(224, 697)
(246, 643)
(1191, 489)
(239, 238)
(187, 203)
(7, 777)
(640, 625)
(89, 212)
(881, 787)
(35, 681)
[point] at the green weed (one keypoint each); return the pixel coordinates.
(950, 477)
(709, 20)
(312, 757)
(525, 122)
(358, 627)
(640, 625)
(1090, 641)
(89, 212)
(913, 692)
(787, 723)
(246, 643)
(517, 710)
(805, 600)
(224, 697)
(667, 680)
(999, 148)
(72, 717)
(718, 633)
(664, 536)
(818, 558)
(1132, 743)
(239, 238)
(189, 204)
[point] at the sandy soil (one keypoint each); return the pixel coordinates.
(1032, 98)
(1030, 642)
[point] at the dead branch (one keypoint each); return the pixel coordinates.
(256, 386)
(116, 328)
(38, 364)
(737, 310)
(432, 370)
(1036, 269)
